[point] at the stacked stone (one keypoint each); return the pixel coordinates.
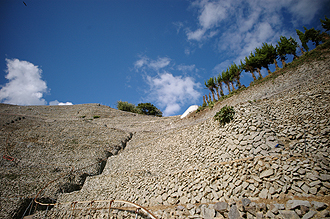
(256, 156)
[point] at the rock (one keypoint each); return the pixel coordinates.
(319, 205)
(326, 184)
(313, 190)
(171, 201)
(190, 206)
(305, 188)
(286, 214)
(266, 173)
(234, 213)
(253, 128)
(309, 215)
(324, 213)
(264, 193)
(269, 214)
(246, 202)
(259, 215)
(314, 183)
(292, 204)
(251, 209)
(221, 206)
(325, 177)
(180, 208)
(207, 213)
(184, 200)
(313, 177)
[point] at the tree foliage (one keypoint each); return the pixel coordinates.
(303, 40)
(313, 35)
(248, 66)
(149, 109)
(125, 106)
(210, 84)
(141, 108)
(286, 46)
(263, 57)
(226, 78)
(326, 23)
(235, 72)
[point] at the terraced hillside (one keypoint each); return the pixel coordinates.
(41, 143)
(271, 161)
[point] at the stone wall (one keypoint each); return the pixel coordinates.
(274, 153)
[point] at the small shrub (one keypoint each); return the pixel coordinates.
(211, 104)
(96, 117)
(200, 108)
(225, 115)
(125, 106)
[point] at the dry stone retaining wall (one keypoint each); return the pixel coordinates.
(275, 149)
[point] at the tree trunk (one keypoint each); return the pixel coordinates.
(301, 50)
(204, 102)
(221, 90)
(232, 84)
(254, 77)
(258, 70)
(283, 62)
(213, 96)
(269, 72)
(238, 82)
(276, 65)
(228, 87)
(207, 100)
(210, 97)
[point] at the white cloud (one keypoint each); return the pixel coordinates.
(186, 68)
(248, 22)
(171, 92)
(25, 86)
(145, 62)
(159, 63)
(305, 10)
(56, 102)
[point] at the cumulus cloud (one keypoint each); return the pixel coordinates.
(168, 91)
(25, 86)
(171, 92)
(56, 102)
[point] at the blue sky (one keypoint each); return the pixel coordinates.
(78, 51)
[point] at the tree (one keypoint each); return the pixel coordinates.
(255, 62)
(313, 35)
(266, 55)
(236, 71)
(231, 78)
(247, 66)
(219, 84)
(286, 46)
(326, 24)
(216, 87)
(303, 41)
(210, 84)
(125, 106)
(225, 76)
(149, 109)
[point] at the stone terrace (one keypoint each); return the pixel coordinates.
(271, 161)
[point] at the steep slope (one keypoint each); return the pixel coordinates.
(275, 152)
(41, 143)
